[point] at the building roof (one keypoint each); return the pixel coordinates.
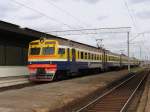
(9, 27)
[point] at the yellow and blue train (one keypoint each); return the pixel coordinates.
(49, 59)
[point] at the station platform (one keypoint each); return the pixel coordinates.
(13, 81)
(48, 97)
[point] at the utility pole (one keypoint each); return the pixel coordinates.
(128, 46)
(140, 52)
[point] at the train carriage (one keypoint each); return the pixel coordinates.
(49, 59)
(113, 60)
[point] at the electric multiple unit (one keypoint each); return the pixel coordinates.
(48, 59)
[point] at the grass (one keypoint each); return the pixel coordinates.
(136, 69)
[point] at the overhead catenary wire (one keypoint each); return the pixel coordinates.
(66, 12)
(51, 18)
(69, 14)
(146, 50)
(142, 44)
(42, 14)
(130, 14)
(39, 12)
(135, 37)
(91, 31)
(108, 28)
(134, 20)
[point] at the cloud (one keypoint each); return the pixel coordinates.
(46, 27)
(138, 1)
(57, 0)
(88, 1)
(144, 15)
(5, 8)
(92, 1)
(32, 17)
(100, 18)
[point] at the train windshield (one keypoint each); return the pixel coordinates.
(34, 51)
(48, 50)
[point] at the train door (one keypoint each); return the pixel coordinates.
(73, 55)
(68, 54)
(120, 60)
(104, 60)
(74, 67)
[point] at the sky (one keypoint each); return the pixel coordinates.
(59, 15)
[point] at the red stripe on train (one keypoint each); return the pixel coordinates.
(52, 66)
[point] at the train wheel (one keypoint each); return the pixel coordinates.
(61, 75)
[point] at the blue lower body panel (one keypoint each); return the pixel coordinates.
(48, 74)
(66, 65)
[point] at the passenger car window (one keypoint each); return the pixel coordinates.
(85, 55)
(61, 51)
(81, 55)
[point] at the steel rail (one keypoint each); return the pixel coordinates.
(132, 95)
(104, 94)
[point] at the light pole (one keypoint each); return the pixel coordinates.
(140, 52)
(128, 47)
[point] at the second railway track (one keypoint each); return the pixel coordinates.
(118, 98)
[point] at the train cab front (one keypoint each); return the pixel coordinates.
(42, 72)
(40, 60)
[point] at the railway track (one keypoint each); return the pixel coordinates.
(118, 98)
